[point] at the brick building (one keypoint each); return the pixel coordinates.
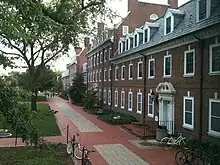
(105, 45)
(169, 69)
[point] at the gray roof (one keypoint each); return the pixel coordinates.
(186, 25)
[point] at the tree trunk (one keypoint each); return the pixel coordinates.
(34, 99)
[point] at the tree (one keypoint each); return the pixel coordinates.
(77, 90)
(38, 33)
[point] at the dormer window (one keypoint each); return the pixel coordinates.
(203, 9)
(120, 47)
(140, 38)
(123, 46)
(127, 44)
(131, 42)
(146, 36)
(135, 40)
(168, 25)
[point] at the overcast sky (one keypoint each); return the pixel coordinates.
(120, 6)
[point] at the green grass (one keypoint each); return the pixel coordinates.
(47, 155)
(41, 98)
(45, 121)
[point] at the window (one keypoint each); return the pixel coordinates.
(168, 25)
(100, 73)
(109, 97)
(214, 116)
(140, 70)
(109, 52)
(105, 75)
(120, 47)
(100, 94)
(140, 38)
(131, 42)
(127, 44)
(135, 40)
(94, 60)
(122, 99)
(130, 101)
(151, 66)
(139, 102)
(105, 56)
(150, 106)
(188, 112)
(123, 46)
(123, 72)
(203, 9)
(167, 65)
(109, 74)
(97, 59)
(97, 76)
(214, 58)
(116, 73)
(105, 96)
(130, 71)
(189, 62)
(94, 77)
(100, 57)
(116, 98)
(146, 35)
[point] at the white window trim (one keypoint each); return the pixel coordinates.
(116, 105)
(185, 125)
(149, 114)
(94, 60)
(109, 74)
(116, 68)
(127, 41)
(105, 78)
(130, 108)
(129, 76)
(105, 96)
(100, 75)
(208, 8)
(210, 131)
(122, 107)
(137, 40)
(109, 94)
(97, 59)
(140, 62)
(169, 14)
(164, 65)
(130, 42)
(151, 77)
(122, 72)
(139, 111)
(109, 53)
(210, 59)
(101, 58)
(105, 56)
(148, 35)
(194, 62)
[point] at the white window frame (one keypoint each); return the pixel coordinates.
(140, 62)
(136, 41)
(208, 8)
(148, 104)
(210, 58)
(105, 55)
(123, 100)
(139, 111)
(185, 125)
(150, 60)
(105, 96)
(116, 68)
(109, 97)
(210, 131)
(122, 78)
(116, 105)
(105, 78)
(169, 14)
(194, 62)
(164, 65)
(130, 108)
(100, 75)
(101, 58)
(109, 53)
(109, 74)
(148, 34)
(127, 42)
(129, 74)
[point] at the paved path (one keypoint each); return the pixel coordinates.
(83, 124)
(118, 154)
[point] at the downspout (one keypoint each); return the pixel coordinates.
(145, 81)
(111, 105)
(200, 86)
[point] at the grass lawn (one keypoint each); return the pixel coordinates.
(47, 155)
(45, 121)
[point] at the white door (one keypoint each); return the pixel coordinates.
(169, 117)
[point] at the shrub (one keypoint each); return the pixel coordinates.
(91, 99)
(41, 98)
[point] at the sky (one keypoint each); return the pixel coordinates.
(117, 5)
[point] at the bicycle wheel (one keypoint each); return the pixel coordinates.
(69, 148)
(166, 142)
(197, 161)
(86, 162)
(180, 158)
(78, 152)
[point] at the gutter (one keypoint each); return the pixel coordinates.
(200, 86)
(145, 81)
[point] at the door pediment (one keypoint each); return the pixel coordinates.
(166, 88)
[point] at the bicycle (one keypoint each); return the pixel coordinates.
(169, 142)
(86, 159)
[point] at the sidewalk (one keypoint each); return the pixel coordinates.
(112, 143)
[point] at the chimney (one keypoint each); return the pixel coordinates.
(173, 3)
(86, 42)
(77, 50)
(100, 28)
